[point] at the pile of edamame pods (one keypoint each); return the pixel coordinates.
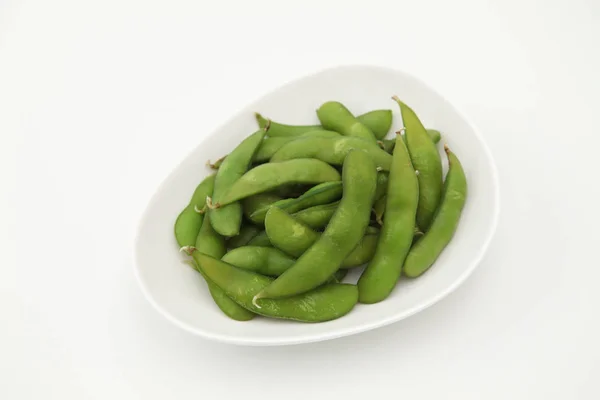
(275, 229)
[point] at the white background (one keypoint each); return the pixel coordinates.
(99, 100)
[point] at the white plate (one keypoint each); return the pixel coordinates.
(179, 293)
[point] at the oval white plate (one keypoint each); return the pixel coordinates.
(180, 294)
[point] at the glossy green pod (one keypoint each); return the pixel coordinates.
(317, 195)
(334, 116)
(263, 260)
(261, 239)
(227, 220)
(252, 204)
(378, 122)
(426, 162)
(316, 217)
(270, 145)
(189, 221)
(247, 233)
(427, 249)
(332, 151)
(381, 275)
(324, 303)
(211, 243)
(269, 176)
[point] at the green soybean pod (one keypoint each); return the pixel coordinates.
(316, 217)
(320, 194)
(379, 278)
(378, 122)
(189, 221)
(334, 116)
(270, 261)
(389, 144)
(262, 239)
(263, 260)
(426, 160)
(250, 205)
(211, 243)
(435, 135)
(343, 233)
(324, 303)
(427, 249)
(362, 253)
(332, 151)
(247, 233)
(382, 184)
(269, 176)
(379, 209)
(228, 219)
(294, 238)
(270, 145)
(287, 234)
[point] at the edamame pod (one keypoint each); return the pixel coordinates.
(426, 160)
(317, 195)
(427, 249)
(227, 219)
(293, 237)
(287, 234)
(247, 233)
(332, 151)
(379, 278)
(378, 122)
(389, 144)
(262, 239)
(379, 209)
(250, 205)
(382, 184)
(324, 303)
(270, 145)
(211, 243)
(334, 116)
(316, 217)
(263, 260)
(344, 232)
(189, 221)
(270, 176)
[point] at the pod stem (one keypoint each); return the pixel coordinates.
(255, 298)
(210, 204)
(200, 211)
(267, 125)
(216, 164)
(188, 250)
(380, 143)
(402, 131)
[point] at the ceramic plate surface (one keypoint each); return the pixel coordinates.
(180, 294)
